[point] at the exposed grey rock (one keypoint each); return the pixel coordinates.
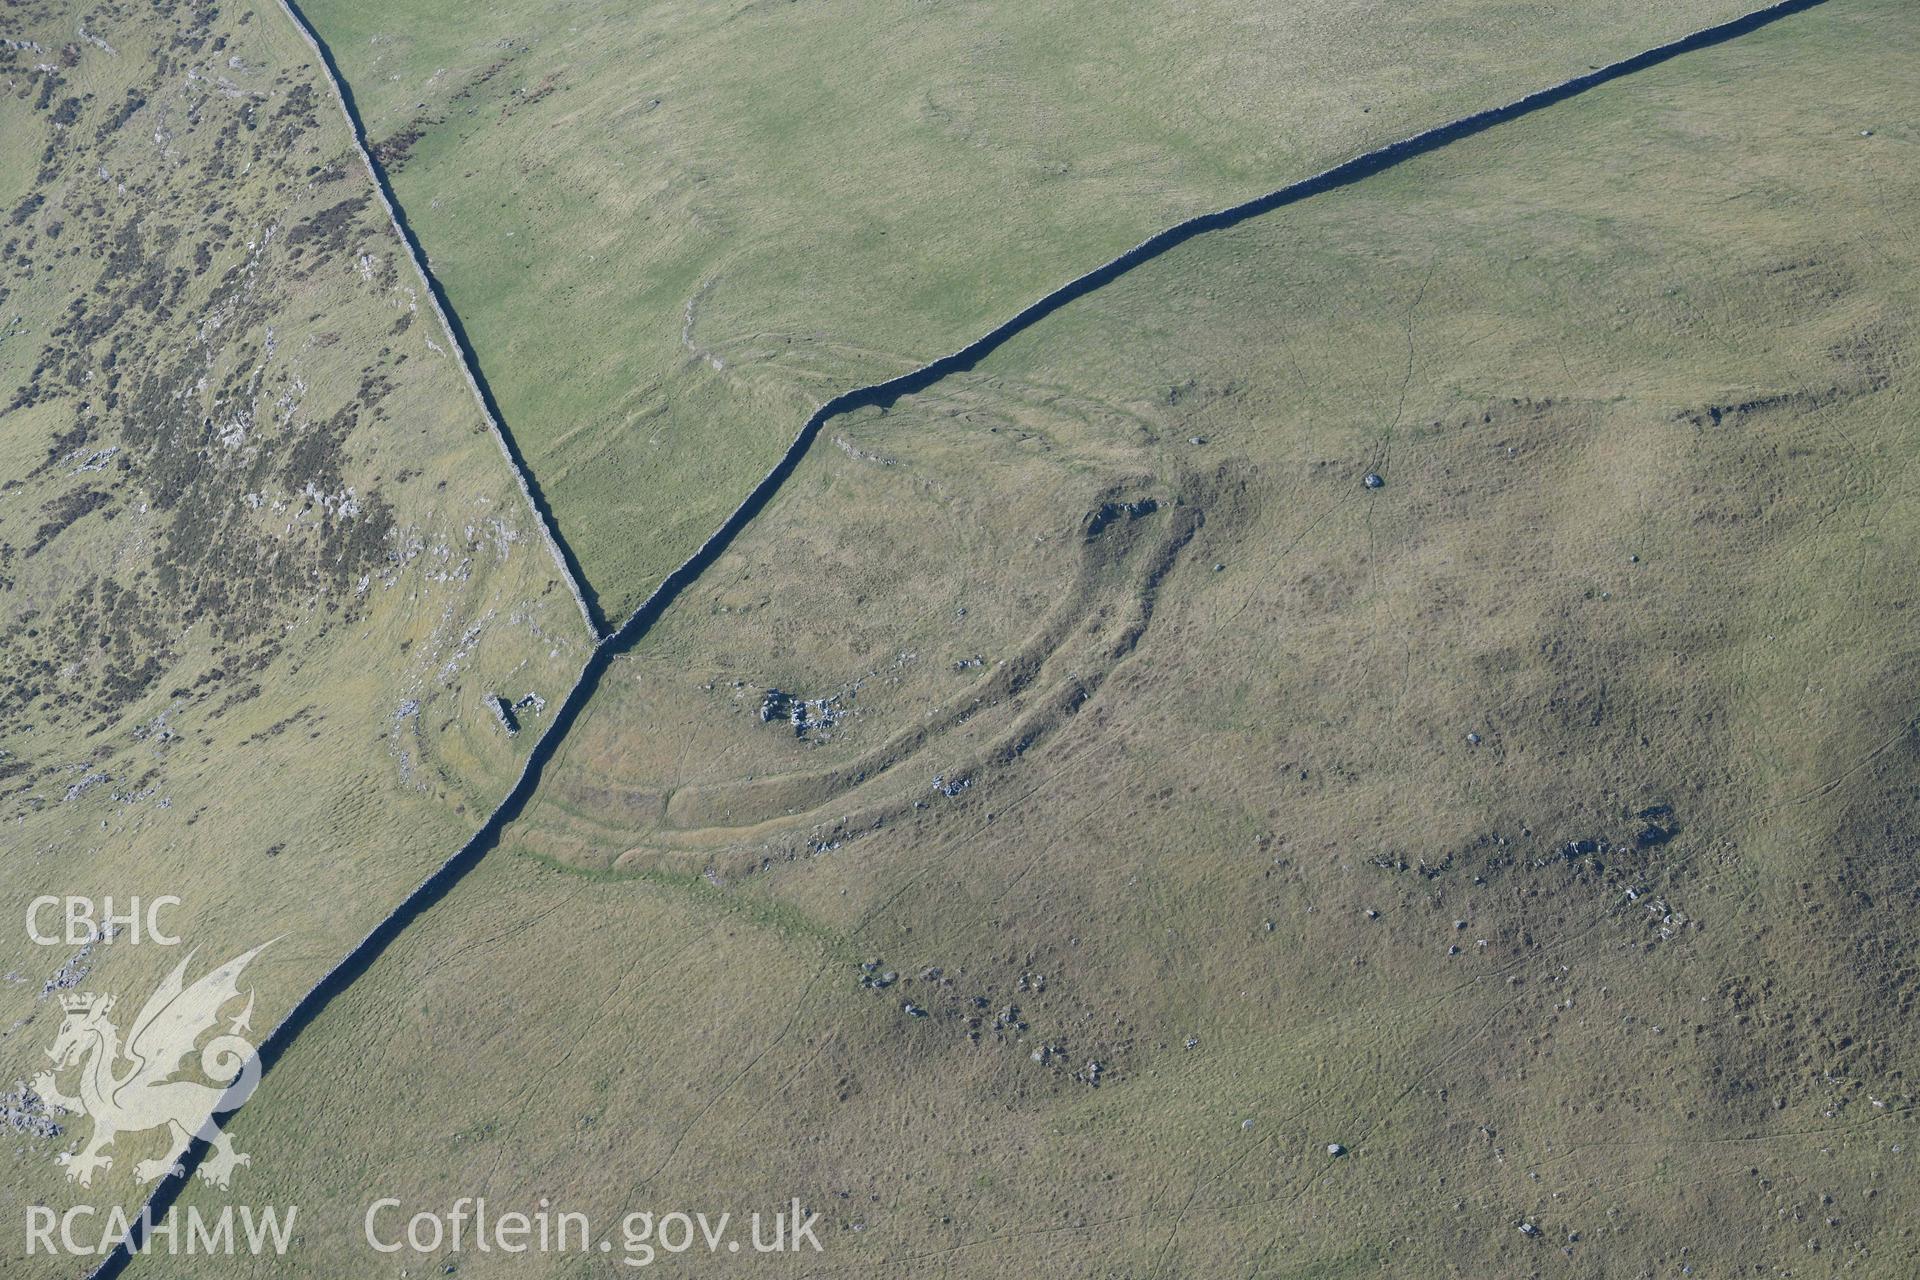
(75, 970)
(87, 783)
(24, 1111)
(806, 715)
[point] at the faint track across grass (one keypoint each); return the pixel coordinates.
(876, 395)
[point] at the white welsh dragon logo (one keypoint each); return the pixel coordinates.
(139, 1095)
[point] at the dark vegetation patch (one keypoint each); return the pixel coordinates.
(162, 400)
(527, 97)
(63, 512)
(393, 152)
(134, 100)
(330, 228)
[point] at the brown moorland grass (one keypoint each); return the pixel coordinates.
(1537, 827)
(259, 561)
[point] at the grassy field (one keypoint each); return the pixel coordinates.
(672, 232)
(259, 561)
(1538, 827)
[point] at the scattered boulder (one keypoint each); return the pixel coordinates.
(1109, 512)
(805, 715)
(24, 1111)
(75, 970)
